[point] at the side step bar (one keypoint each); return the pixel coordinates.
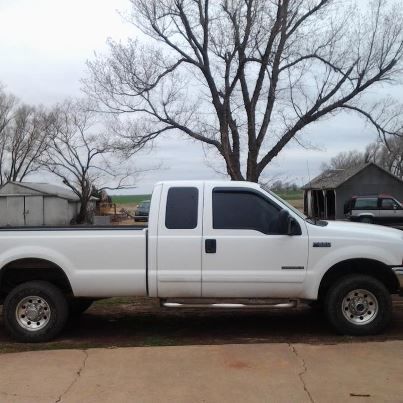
(288, 304)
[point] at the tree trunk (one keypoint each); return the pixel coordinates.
(82, 216)
(251, 170)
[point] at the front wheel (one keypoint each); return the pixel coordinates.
(35, 311)
(358, 305)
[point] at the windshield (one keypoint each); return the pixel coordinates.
(144, 204)
(292, 208)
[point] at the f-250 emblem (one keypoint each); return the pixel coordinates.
(322, 244)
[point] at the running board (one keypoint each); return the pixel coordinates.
(281, 305)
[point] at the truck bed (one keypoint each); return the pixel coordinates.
(99, 261)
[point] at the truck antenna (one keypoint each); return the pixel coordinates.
(309, 175)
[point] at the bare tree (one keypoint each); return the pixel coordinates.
(22, 139)
(81, 154)
(7, 103)
(248, 76)
(388, 155)
(345, 160)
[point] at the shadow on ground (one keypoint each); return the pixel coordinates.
(141, 322)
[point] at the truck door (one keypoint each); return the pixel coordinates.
(243, 256)
(390, 211)
(180, 241)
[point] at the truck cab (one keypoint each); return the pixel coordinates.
(226, 240)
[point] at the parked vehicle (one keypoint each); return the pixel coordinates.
(142, 211)
(382, 209)
(208, 245)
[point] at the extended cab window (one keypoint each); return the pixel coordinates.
(366, 204)
(244, 210)
(182, 207)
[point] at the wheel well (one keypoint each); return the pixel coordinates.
(373, 268)
(22, 270)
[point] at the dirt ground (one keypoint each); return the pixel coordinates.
(123, 322)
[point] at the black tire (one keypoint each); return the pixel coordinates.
(78, 306)
(367, 220)
(56, 305)
(337, 300)
(316, 306)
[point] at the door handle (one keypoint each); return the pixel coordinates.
(210, 245)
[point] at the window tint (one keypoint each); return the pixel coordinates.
(181, 209)
(366, 204)
(244, 210)
(388, 204)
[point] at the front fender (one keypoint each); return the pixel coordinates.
(319, 265)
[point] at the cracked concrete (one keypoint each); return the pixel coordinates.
(301, 374)
(77, 377)
(37, 376)
(359, 372)
(224, 373)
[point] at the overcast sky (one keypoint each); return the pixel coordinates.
(44, 45)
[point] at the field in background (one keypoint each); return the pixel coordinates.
(129, 199)
(291, 195)
(294, 197)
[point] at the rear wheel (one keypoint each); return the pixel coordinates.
(358, 305)
(367, 220)
(35, 311)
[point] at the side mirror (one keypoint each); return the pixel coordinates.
(287, 225)
(293, 227)
(283, 222)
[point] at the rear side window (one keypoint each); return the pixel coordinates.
(366, 204)
(244, 210)
(182, 207)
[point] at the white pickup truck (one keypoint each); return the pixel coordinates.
(209, 245)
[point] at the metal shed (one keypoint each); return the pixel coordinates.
(325, 195)
(26, 203)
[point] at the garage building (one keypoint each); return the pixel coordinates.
(26, 203)
(325, 195)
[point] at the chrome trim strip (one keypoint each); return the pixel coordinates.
(290, 304)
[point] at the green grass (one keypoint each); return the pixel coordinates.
(291, 195)
(116, 301)
(129, 199)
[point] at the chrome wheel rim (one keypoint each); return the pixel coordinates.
(360, 307)
(33, 313)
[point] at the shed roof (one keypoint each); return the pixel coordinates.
(32, 188)
(333, 178)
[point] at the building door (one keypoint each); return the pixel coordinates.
(15, 211)
(33, 210)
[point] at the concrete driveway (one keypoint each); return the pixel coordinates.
(228, 373)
